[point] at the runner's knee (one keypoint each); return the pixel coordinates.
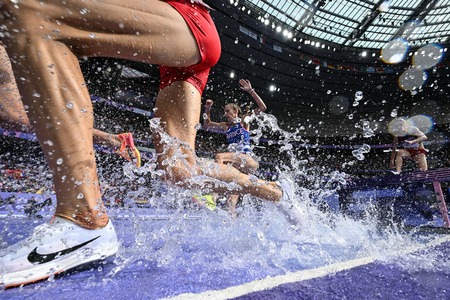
(177, 175)
(218, 158)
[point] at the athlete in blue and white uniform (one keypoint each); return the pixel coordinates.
(238, 138)
(240, 154)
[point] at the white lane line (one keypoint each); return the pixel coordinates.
(271, 282)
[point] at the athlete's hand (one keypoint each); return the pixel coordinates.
(246, 86)
(209, 103)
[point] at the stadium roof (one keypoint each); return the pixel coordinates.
(356, 23)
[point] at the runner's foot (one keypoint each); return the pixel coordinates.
(128, 150)
(287, 203)
(54, 248)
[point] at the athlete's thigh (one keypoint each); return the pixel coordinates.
(178, 110)
(242, 162)
(404, 153)
(251, 165)
(228, 158)
(421, 160)
(148, 31)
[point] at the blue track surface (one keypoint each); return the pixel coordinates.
(197, 254)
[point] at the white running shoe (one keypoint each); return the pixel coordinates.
(287, 186)
(287, 203)
(53, 248)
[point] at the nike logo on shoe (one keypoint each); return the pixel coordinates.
(36, 258)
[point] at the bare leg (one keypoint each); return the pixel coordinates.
(421, 160)
(106, 139)
(178, 106)
(65, 134)
(12, 113)
(45, 50)
(243, 162)
(399, 159)
(232, 200)
(145, 31)
(398, 163)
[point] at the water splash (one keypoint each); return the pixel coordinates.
(173, 232)
(367, 131)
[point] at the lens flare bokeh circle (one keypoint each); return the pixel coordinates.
(384, 6)
(428, 56)
(397, 127)
(394, 51)
(412, 79)
(422, 122)
(436, 141)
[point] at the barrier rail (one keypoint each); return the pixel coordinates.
(434, 176)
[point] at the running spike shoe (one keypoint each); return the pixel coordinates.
(54, 248)
(128, 150)
(287, 203)
(206, 200)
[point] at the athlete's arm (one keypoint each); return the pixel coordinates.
(420, 136)
(246, 86)
(206, 119)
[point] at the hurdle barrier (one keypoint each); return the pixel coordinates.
(401, 180)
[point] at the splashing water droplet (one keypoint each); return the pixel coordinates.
(69, 105)
(350, 116)
(59, 161)
(365, 148)
(93, 35)
(394, 113)
(80, 196)
(37, 95)
(368, 133)
(358, 154)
